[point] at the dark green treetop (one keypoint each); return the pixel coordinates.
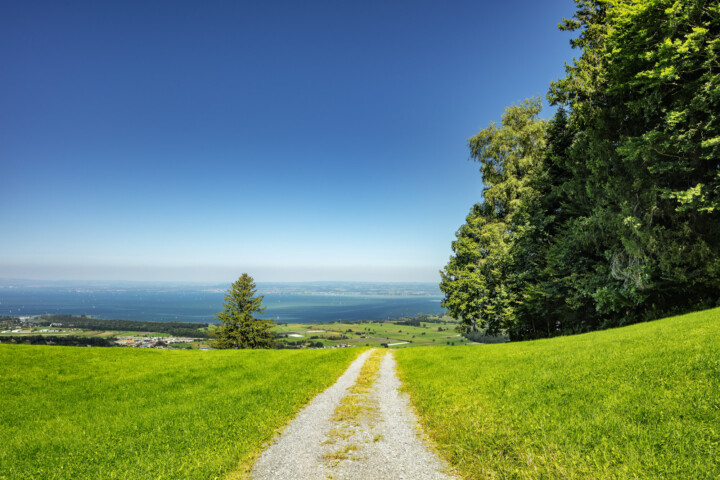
(644, 115)
(239, 327)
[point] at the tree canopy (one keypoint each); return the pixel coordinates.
(610, 212)
(480, 280)
(239, 328)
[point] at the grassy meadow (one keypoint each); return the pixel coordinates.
(441, 331)
(121, 413)
(641, 401)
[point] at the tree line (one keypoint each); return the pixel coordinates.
(64, 340)
(177, 329)
(609, 212)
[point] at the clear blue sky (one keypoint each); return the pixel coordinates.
(306, 140)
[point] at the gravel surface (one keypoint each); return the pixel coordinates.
(387, 443)
(294, 454)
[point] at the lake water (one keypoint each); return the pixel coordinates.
(200, 306)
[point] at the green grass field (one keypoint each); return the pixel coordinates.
(636, 402)
(373, 334)
(121, 413)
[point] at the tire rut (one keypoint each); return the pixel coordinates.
(362, 427)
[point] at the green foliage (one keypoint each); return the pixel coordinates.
(615, 215)
(239, 328)
(633, 402)
(644, 102)
(482, 337)
(478, 282)
(64, 340)
(121, 413)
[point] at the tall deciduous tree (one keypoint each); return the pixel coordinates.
(480, 280)
(239, 328)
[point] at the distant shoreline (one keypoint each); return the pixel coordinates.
(192, 305)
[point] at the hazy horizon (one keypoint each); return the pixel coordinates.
(220, 274)
(6, 282)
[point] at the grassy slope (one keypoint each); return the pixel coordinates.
(636, 402)
(115, 413)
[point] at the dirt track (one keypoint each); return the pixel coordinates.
(379, 438)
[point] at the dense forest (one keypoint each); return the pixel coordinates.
(609, 212)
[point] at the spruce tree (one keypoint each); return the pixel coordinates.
(238, 327)
(643, 101)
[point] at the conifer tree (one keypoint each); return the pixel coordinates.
(239, 328)
(643, 102)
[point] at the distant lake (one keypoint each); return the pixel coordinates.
(200, 306)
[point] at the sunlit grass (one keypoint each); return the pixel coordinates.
(117, 413)
(375, 334)
(635, 402)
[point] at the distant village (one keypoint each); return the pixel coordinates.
(157, 342)
(20, 327)
(87, 331)
(25, 329)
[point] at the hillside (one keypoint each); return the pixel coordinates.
(635, 402)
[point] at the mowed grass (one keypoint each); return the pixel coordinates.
(636, 402)
(120, 413)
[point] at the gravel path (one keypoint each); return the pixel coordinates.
(385, 442)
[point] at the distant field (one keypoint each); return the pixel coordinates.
(636, 402)
(374, 334)
(432, 330)
(121, 413)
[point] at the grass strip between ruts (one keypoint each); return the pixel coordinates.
(356, 406)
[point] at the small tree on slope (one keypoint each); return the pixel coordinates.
(239, 328)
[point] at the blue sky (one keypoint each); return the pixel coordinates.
(310, 140)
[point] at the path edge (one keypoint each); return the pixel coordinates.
(244, 470)
(420, 427)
